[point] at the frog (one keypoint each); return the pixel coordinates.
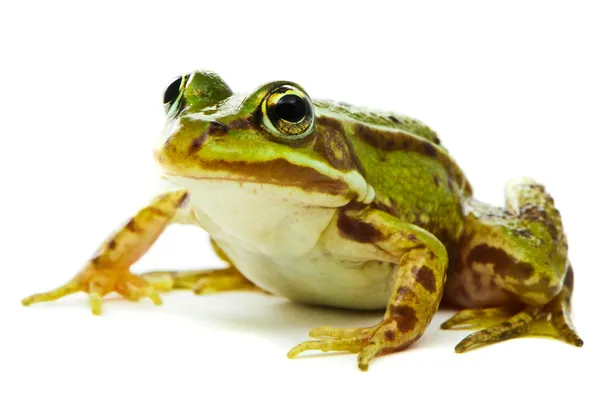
(330, 204)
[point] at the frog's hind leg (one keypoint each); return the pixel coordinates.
(203, 281)
(514, 260)
(108, 270)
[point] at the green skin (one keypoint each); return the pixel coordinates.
(296, 199)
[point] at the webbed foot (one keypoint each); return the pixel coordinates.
(504, 323)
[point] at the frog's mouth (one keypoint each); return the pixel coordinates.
(276, 179)
(254, 161)
(277, 172)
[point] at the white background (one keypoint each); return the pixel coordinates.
(513, 89)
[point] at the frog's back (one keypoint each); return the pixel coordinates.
(413, 175)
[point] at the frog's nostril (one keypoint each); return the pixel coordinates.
(217, 128)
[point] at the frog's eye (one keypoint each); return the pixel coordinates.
(172, 98)
(288, 113)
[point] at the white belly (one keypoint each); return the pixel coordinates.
(315, 278)
(287, 247)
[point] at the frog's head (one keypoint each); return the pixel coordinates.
(273, 136)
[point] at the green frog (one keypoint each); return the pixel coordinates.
(329, 204)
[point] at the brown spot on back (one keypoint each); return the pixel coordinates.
(112, 244)
(429, 149)
(523, 232)
(405, 317)
(357, 230)
(394, 119)
(535, 212)
(384, 140)
(392, 140)
(390, 335)
(426, 278)
(328, 122)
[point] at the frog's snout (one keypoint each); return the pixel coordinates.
(211, 130)
(185, 138)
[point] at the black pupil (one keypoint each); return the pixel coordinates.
(291, 108)
(172, 91)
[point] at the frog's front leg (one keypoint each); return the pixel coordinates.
(108, 269)
(513, 259)
(416, 293)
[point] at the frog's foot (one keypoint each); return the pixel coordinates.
(503, 324)
(478, 318)
(98, 282)
(201, 282)
(367, 342)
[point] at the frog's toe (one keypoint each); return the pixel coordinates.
(513, 327)
(331, 332)
(556, 324)
(334, 339)
(530, 322)
(352, 344)
(97, 284)
(477, 318)
(366, 342)
(134, 291)
(57, 293)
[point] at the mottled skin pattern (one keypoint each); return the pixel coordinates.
(326, 203)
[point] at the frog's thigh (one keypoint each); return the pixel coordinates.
(416, 291)
(518, 253)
